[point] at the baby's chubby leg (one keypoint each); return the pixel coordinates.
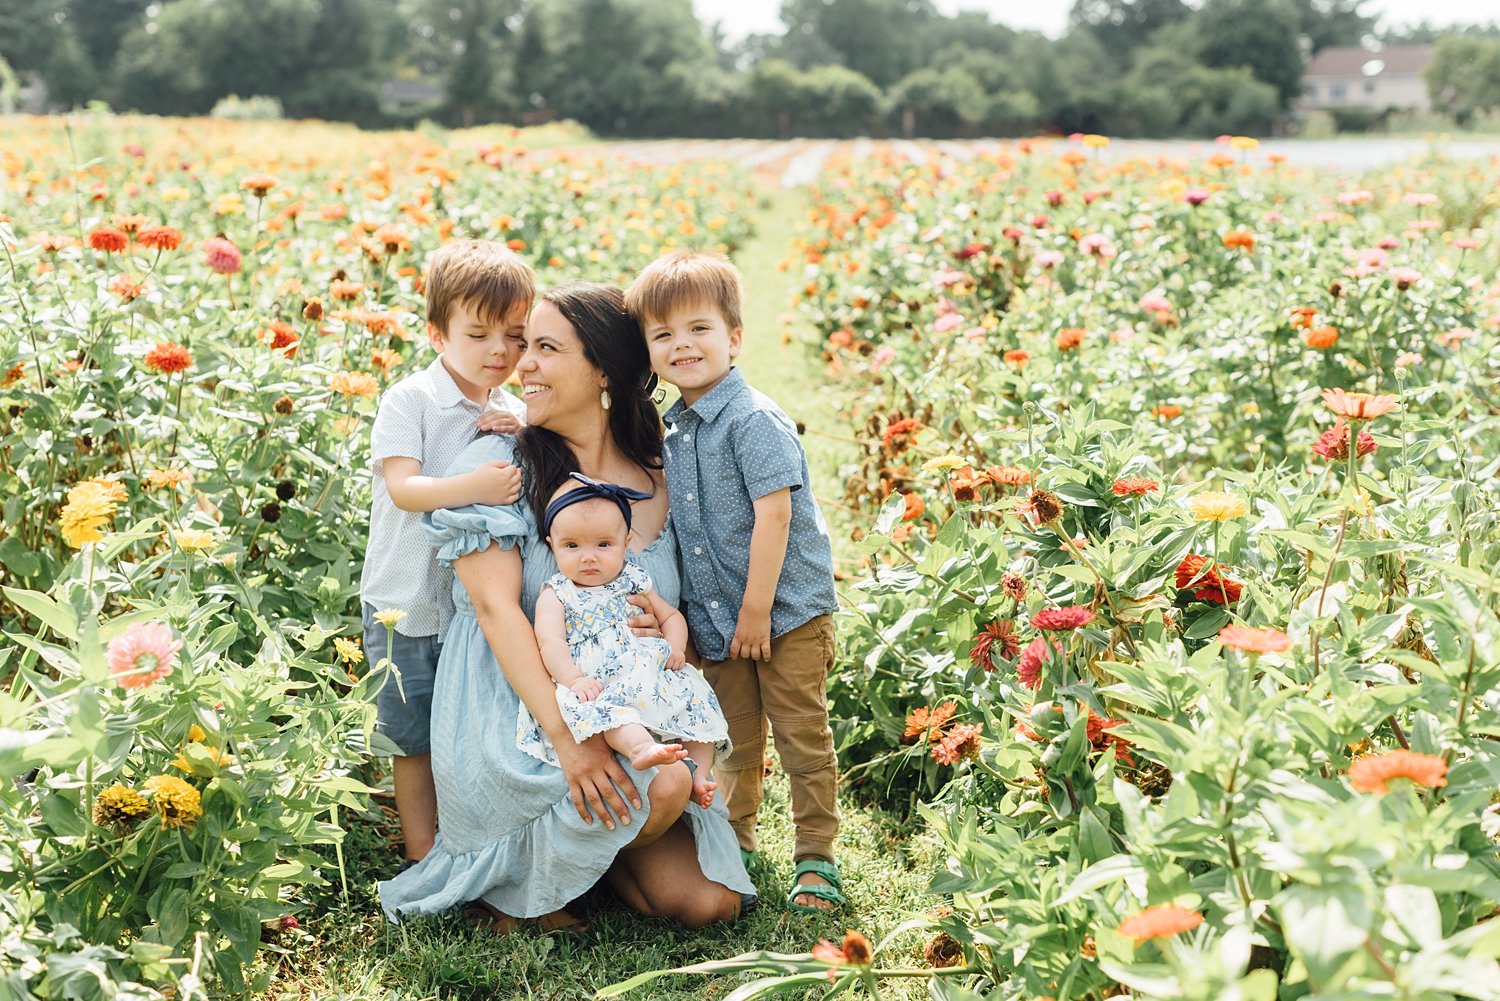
(703, 778)
(636, 743)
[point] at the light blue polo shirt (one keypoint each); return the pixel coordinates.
(721, 454)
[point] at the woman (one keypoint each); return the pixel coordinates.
(521, 836)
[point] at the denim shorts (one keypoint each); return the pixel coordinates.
(403, 704)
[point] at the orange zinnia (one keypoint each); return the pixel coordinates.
(1359, 406)
(1321, 338)
(1249, 640)
(354, 384)
(1167, 411)
(1161, 921)
(930, 722)
(1374, 773)
(1239, 239)
(1070, 337)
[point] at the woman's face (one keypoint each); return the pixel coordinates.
(560, 386)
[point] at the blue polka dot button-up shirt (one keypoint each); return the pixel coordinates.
(723, 453)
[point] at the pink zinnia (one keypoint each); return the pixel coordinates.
(146, 647)
(1334, 443)
(1029, 667)
(1405, 277)
(221, 255)
(1195, 196)
(1062, 619)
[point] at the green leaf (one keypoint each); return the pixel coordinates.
(60, 618)
(1324, 928)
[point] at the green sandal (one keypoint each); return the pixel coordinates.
(747, 855)
(832, 892)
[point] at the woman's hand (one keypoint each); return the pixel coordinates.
(593, 773)
(646, 623)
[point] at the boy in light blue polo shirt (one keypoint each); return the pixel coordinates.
(757, 564)
(478, 296)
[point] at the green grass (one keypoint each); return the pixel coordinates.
(349, 951)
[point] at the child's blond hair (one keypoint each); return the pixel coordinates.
(686, 278)
(489, 276)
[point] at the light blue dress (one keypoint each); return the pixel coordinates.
(509, 832)
(674, 705)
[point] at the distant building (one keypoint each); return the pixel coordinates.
(398, 96)
(1359, 78)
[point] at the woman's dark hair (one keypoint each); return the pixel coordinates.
(612, 342)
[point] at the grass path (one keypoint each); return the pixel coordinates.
(350, 952)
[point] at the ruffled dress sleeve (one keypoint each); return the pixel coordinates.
(456, 532)
(637, 580)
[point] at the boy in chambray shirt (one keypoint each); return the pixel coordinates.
(757, 563)
(479, 294)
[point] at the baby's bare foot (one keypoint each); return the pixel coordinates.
(648, 755)
(703, 791)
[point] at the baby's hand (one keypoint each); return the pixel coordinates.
(497, 482)
(499, 421)
(676, 659)
(587, 689)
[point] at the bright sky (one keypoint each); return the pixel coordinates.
(745, 17)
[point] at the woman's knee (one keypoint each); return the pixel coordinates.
(717, 903)
(670, 789)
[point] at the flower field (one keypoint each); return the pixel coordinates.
(1175, 484)
(193, 336)
(1181, 624)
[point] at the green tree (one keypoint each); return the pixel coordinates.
(840, 101)
(1125, 25)
(878, 38)
(933, 102)
(1464, 75)
(774, 88)
(38, 39)
(1167, 92)
(1261, 35)
(1333, 22)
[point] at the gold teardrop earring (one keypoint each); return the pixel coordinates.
(604, 400)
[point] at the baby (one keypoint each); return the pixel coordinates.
(637, 691)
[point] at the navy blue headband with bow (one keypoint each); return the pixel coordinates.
(590, 489)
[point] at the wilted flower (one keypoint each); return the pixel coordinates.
(1375, 772)
(960, 743)
(1334, 443)
(1014, 585)
(997, 637)
(1044, 506)
(901, 434)
(143, 654)
(120, 805)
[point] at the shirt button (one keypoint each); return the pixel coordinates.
(697, 550)
(689, 496)
(687, 437)
(713, 604)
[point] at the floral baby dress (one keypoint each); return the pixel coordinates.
(674, 705)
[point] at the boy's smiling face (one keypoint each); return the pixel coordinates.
(480, 354)
(692, 348)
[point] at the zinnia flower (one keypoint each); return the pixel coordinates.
(1211, 585)
(390, 616)
(348, 650)
(1321, 338)
(899, 435)
(168, 477)
(929, 723)
(1014, 585)
(943, 462)
(1063, 619)
(1334, 443)
(108, 239)
(1161, 921)
(160, 238)
(1135, 486)
(89, 507)
(1375, 772)
(258, 185)
(998, 631)
(168, 357)
(1044, 506)
(178, 803)
(143, 654)
(1248, 640)
(1359, 406)
(1166, 411)
(958, 744)
(221, 256)
(856, 950)
(1029, 667)
(1007, 476)
(1239, 239)
(1069, 338)
(1215, 505)
(1016, 358)
(120, 805)
(354, 384)
(127, 289)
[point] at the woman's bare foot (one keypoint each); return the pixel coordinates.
(652, 754)
(703, 789)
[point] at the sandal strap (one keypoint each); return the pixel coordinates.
(818, 867)
(820, 890)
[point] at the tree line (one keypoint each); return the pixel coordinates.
(651, 68)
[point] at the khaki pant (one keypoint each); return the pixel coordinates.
(789, 690)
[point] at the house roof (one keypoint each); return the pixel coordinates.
(1408, 60)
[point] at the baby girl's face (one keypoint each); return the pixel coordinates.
(589, 541)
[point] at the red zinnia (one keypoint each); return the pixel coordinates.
(1029, 667)
(1062, 619)
(1210, 584)
(168, 357)
(999, 631)
(898, 435)
(108, 239)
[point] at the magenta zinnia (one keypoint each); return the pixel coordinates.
(1062, 619)
(1029, 667)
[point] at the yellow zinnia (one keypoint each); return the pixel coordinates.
(390, 616)
(943, 462)
(348, 650)
(119, 805)
(1215, 505)
(195, 539)
(176, 802)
